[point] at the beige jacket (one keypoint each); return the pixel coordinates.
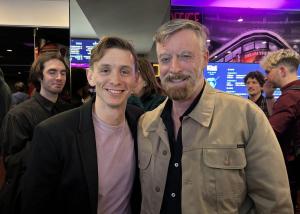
(231, 161)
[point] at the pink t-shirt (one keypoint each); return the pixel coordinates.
(116, 166)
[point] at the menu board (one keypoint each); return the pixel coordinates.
(80, 51)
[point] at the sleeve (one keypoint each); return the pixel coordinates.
(5, 100)
(41, 179)
(266, 175)
(16, 134)
(283, 114)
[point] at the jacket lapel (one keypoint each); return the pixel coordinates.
(87, 148)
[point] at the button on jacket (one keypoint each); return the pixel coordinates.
(231, 160)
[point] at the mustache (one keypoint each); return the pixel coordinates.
(170, 77)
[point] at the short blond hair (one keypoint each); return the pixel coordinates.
(175, 25)
(287, 57)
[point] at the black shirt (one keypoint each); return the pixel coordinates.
(171, 203)
(16, 133)
(262, 104)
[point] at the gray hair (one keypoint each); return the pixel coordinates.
(173, 26)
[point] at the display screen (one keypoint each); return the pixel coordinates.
(229, 77)
(80, 51)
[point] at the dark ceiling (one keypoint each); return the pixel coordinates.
(20, 40)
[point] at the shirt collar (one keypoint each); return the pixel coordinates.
(296, 82)
(167, 111)
(44, 102)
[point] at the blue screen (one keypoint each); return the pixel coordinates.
(80, 51)
(229, 77)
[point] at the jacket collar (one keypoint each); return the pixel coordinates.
(86, 123)
(202, 113)
(87, 146)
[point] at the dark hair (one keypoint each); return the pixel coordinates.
(147, 73)
(20, 86)
(255, 75)
(78, 79)
(111, 42)
(37, 68)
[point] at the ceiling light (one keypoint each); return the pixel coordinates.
(240, 20)
(264, 42)
(208, 40)
(228, 52)
(9, 50)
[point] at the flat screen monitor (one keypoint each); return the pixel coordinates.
(229, 77)
(80, 51)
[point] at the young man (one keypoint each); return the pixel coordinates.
(202, 150)
(84, 160)
(255, 82)
(281, 68)
(48, 73)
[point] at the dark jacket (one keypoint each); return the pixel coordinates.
(147, 102)
(5, 97)
(62, 174)
(16, 133)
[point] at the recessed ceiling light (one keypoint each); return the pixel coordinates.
(9, 50)
(240, 20)
(228, 52)
(264, 42)
(216, 56)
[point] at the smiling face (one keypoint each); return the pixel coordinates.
(115, 77)
(182, 60)
(54, 77)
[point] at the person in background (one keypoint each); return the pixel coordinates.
(148, 93)
(48, 73)
(255, 82)
(80, 87)
(85, 160)
(19, 95)
(5, 102)
(5, 95)
(281, 70)
(203, 150)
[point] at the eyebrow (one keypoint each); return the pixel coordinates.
(55, 69)
(164, 54)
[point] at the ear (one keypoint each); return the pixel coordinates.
(283, 71)
(90, 77)
(137, 76)
(205, 59)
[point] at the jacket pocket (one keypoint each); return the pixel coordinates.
(224, 158)
(225, 176)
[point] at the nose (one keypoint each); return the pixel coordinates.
(116, 77)
(175, 65)
(60, 76)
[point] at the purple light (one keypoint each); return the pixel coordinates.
(268, 4)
